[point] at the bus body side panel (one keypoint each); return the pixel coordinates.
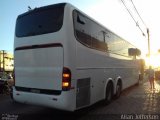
(94, 68)
(97, 64)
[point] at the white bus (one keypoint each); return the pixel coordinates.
(66, 60)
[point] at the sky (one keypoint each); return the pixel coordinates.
(110, 13)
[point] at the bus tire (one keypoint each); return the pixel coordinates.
(118, 89)
(109, 93)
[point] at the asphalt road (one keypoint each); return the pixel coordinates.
(138, 102)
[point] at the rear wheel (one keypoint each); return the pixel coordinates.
(118, 89)
(109, 93)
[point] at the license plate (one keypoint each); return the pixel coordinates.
(35, 90)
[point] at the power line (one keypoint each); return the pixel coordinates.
(142, 22)
(129, 11)
(138, 14)
(133, 17)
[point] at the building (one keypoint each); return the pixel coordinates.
(6, 61)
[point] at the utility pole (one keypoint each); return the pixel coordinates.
(3, 61)
(149, 51)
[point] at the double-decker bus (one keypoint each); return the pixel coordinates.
(66, 60)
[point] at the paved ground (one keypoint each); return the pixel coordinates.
(139, 102)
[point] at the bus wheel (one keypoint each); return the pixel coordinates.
(118, 89)
(109, 93)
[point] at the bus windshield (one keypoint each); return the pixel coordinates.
(40, 21)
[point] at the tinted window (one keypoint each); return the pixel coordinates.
(117, 45)
(88, 32)
(93, 35)
(40, 21)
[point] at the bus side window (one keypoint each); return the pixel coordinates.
(81, 20)
(89, 32)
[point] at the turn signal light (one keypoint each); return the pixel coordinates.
(65, 84)
(65, 75)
